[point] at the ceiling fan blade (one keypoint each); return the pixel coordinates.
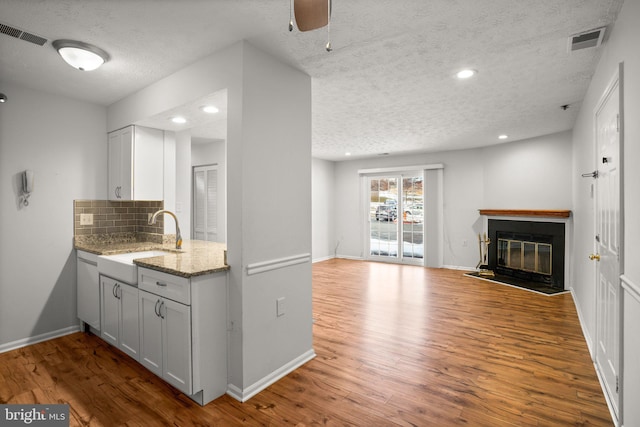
(311, 14)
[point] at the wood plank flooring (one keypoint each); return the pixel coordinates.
(396, 346)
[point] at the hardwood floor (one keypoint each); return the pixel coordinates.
(396, 345)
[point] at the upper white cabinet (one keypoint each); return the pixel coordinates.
(136, 164)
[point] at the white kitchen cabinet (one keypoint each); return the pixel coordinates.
(119, 315)
(165, 339)
(88, 290)
(183, 331)
(136, 164)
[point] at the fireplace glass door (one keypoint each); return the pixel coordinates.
(525, 256)
(396, 219)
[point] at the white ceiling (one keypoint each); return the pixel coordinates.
(388, 85)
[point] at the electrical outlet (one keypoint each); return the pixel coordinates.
(86, 219)
(280, 307)
(149, 217)
(465, 243)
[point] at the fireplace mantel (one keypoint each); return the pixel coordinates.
(527, 212)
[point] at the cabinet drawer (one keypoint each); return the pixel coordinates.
(165, 285)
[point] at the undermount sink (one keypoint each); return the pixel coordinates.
(121, 266)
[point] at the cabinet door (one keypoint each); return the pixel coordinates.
(115, 165)
(110, 310)
(150, 332)
(176, 336)
(126, 162)
(129, 333)
(121, 164)
(88, 293)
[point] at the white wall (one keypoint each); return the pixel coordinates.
(530, 174)
(323, 184)
(276, 164)
(268, 168)
(64, 142)
(620, 47)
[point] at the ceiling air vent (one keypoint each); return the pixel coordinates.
(22, 35)
(587, 39)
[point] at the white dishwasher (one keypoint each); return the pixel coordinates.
(88, 289)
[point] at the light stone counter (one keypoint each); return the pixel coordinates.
(196, 258)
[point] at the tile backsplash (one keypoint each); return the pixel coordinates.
(119, 220)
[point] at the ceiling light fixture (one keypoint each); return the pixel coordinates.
(179, 120)
(503, 136)
(79, 55)
(3, 98)
(466, 73)
(311, 15)
(211, 109)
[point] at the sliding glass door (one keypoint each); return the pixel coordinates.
(395, 218)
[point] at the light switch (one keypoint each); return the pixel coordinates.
(86, 219)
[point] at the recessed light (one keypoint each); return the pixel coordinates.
(347, 154)
(466, 73)
(503, 136)
(211, 109)
(179, 120)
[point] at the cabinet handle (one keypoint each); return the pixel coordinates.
(161, 284)
(155, 309)
(114, 291)
(162, 305)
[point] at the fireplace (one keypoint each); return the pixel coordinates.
(528, 250)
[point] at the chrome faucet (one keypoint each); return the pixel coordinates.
(152, 220)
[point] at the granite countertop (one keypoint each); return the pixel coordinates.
(196, 258)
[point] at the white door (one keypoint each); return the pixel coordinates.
(205, 203)
(150, 332)
(607, 245)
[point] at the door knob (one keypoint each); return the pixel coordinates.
(594, 256)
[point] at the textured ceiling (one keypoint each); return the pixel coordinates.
(387, 87)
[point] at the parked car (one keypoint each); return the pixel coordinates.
(386, 213)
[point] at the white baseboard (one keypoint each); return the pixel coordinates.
(38, 338)
(258, 386)
(324, 258)
(459, 267)
(354, 258)
(585, 331)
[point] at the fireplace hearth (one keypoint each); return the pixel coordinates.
(528, 250)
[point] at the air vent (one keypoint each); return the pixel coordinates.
(591, 38)
(22, 35)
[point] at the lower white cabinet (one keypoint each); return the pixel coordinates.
(119, 315)
(165, 339)
(183, 331)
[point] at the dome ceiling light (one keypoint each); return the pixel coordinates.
(81, 56)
